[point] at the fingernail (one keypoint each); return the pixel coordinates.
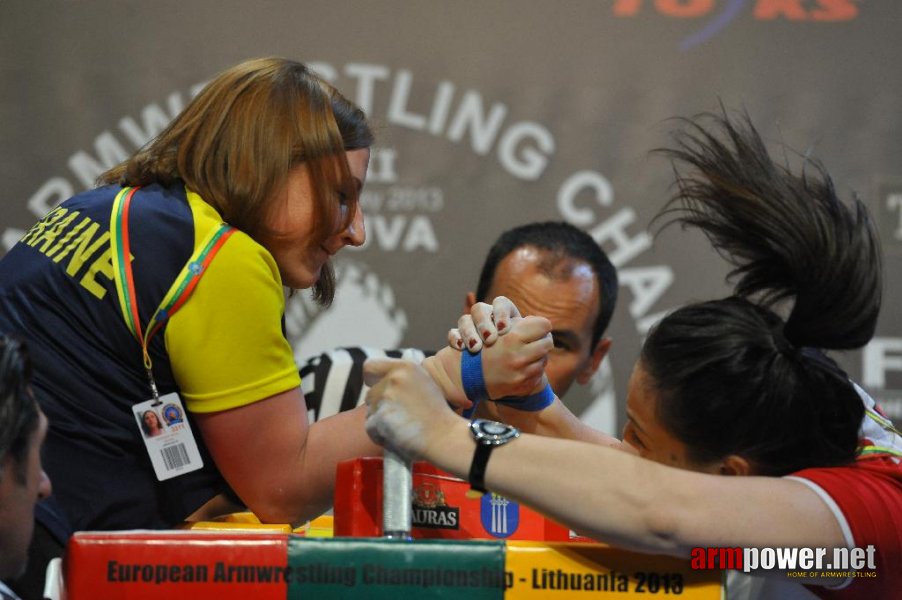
(471, 343)
(501, 325)
(460, 344)
(485, 333)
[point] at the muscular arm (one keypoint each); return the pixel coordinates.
(638, 504)
(555, 421)
(622, 498)
(283, 469)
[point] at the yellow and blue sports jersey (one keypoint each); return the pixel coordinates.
(225, 348)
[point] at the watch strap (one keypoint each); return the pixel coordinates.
(487, 435)
(476, 477)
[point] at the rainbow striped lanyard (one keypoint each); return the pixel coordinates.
(887, 425)
(181, 289)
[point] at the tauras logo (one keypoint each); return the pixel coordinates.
(430, 511)
(439, 517)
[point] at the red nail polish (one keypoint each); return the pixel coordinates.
(501, 325)
(485, 333)
(472, 343)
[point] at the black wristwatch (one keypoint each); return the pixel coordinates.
(488, 435)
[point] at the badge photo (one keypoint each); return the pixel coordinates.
(150, 422)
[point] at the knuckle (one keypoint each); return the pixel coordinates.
(481, 308)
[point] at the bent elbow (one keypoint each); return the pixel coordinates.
(663, 530)
(280, 510)
(276, 515)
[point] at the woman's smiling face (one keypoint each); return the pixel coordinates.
(299, 256)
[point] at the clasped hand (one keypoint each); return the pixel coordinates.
(406, 409)
(514, 348)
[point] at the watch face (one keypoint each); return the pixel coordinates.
(494, 428)
(493, 433)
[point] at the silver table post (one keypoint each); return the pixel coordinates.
(397, 486)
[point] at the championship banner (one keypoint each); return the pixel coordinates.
(542, 571)
(202, 565)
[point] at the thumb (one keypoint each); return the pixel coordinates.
(533, 328)
(374, 369)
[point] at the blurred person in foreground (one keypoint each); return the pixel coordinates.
(22, 479)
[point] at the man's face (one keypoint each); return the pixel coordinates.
(569, 300)
(17, 500)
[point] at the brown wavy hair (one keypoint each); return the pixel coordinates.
(237, 140)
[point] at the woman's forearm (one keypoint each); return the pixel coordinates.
(622, 499)
(281, 468)
(444, 369)
(578, 484)
(555, 420)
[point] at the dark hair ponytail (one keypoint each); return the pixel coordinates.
(733, 377)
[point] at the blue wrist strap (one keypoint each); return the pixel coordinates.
(474, 388)
(473, 380)
(531, 403)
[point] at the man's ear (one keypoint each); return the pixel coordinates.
(598, 354)
(736, 465)
(469, 301)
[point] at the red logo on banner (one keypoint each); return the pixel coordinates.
(764, 10)
(724, 13)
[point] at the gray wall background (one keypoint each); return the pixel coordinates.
(489, 114)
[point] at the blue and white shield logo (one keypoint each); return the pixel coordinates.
(500, 516)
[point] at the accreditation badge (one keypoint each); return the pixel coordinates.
(167, 436)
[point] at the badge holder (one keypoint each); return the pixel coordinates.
(161, 421)
(171, 448)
